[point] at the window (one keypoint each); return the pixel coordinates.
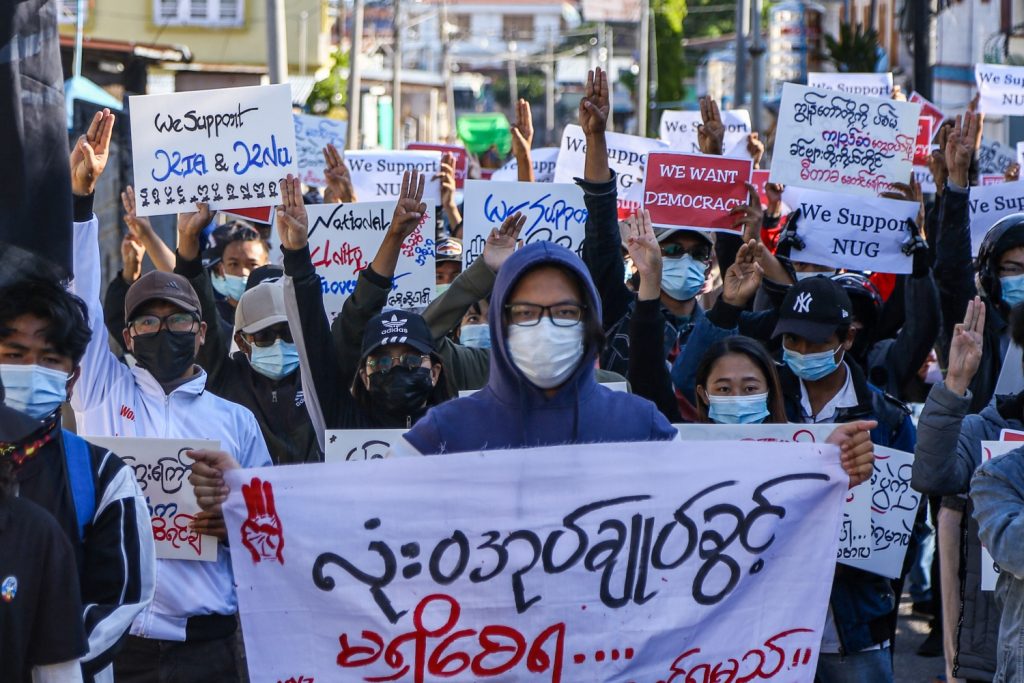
(517, 27)
(67, 11)
(199, 12)
(461, 23)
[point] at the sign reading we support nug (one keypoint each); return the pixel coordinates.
(228, 148)
(603, 562)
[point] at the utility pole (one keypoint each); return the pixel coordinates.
(303, 38)
(277, 42)
(921, 20)
(355, 86)
(645, 67)
(513, 78)
(79, 30)
(757, 50)
(549, 93)
(446, 69)
(608, 53)
(396, 79)
(742, 26)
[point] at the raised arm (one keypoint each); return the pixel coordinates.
(448, 187)
(142, 231)
(522, 141)
(339, 181)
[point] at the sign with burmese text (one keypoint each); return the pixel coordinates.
(679, 130)
(554, 212)
(344, 238)
(855, 144)
(457, 151)
(348, 445)
(570, 563)
(859, 233)
(994, 156)
(377, 175)
(695, 191)
(312, 134)
(161, 468)
(1000, 88)
(227, 147)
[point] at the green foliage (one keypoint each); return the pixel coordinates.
(331, 92)
(856, 51)
(531, 88)
(669, 16)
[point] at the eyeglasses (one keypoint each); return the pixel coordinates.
(266, 337)
(528, 315)
(175, 323)
(409, 361)
(701, 252)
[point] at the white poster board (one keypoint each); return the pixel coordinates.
(542, 159)
(377, 175)
(988, 204)
(312, 134)
(1000, 89)
(678, 130)
(871, 84)
(603, 562)
(228, 147)
(994, 156)
(353, 445)
(162, 468)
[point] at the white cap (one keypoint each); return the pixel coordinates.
(261, 307)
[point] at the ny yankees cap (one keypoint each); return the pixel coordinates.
(448, 249)
(157, 285)
(814, 309)
(396, 327)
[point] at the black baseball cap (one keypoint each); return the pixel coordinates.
(814, 309)
(223, 235)
(396, 327)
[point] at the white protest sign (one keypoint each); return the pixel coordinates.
(543, 160)
(678, 130)
(989, 568)
(925, 179)
(871, 84)
(377, 176)
(893, 511)
(162, 468)
(855, 537)
(229, 148)
(312, 134)
(627, 156)
(857, 233)
(348, 445)
(1020, 153)
(598, 562)
(1000, 88)
(994, 156)
(343, 239)
(554, 212)
(855, 144)
(988, 204)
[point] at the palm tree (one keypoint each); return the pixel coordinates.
(856, 51)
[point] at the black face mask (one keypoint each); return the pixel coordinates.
(167, 356)
(401, 391)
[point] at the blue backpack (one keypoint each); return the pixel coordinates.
(83, 488)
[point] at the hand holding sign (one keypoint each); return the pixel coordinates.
(857, 452)
(292, 219)
(339, 180)
(594, 106)
(1012, 173)
(743, 277)
(132, 253)
(961, 144)
(750, 217)
(207, 476)
(645, 253)
(90, 153)
(261, 531)
(909, 192)
(966, 349)
(190, 226)
(711, 132)
(501, 243)
(755, 148)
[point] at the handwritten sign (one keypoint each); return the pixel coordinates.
(989, 450)
(543, 161)
(695, 191)
(162, 468)
(377, 176)
(924, 178)
(554, 212)
(988, 204)
(571, 563)
(852, 232)
(678, 130)
(930, 110)
(855, 536)
(355, 445)
(627, 156)
(871, 84)
(457, 151)
(994, 156)
(343, 239)
(312, 134)
(1000, 88)
(848, 143)
(228, 147)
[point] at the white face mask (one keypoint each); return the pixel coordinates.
(545, 353)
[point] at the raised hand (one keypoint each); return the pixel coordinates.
(339, 180)
(262, 534)
(447, 178)
(132, 253)
(1012, 173)
(292, 219)
(908, 192)
(961, 143)
(594, 106)
(966, 349)
(501, 243)
(745, 274)
(856, 451)
(522, 131)
(90, 154)
(898, 94)
(190, 227)
(711, 133)
(137, 225)
(410, 208)
(644, 250)
(755, 148)
(773, 193)
(750, 216)
(207, 476)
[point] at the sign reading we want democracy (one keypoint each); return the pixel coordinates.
(571, 563)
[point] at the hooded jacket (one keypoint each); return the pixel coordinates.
(510, 412)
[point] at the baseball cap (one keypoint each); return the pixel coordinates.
(396, 327)
(221, 236)
(662, 234)
(260, 307)
(448, 249)
(157, 285)
(814, 309)
(262, 274)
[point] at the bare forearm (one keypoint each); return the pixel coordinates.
(160, 254)
(525, 167)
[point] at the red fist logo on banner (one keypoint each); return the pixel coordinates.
(261, 532)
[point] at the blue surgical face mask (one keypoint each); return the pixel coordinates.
(275, 361)
(811, 366)
(682, 278)
(231, 286)
(441, 289)
(477, 336)
(33, 390)
(738, 410)
(1013, 289)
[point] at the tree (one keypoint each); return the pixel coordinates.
(668, 37)
(856, 51)
(331, 92)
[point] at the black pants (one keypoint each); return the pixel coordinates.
(143, 660)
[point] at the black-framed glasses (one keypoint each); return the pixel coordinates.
(561, 315)
(175, 323)
(701, 252)
(266, 337)
(409, 361)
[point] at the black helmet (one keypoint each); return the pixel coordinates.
(862, 290)
(1005, 234)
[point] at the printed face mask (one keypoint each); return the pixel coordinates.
(738, 410)
(1013, 289)
(33, 390)
(811, 366)
(476, 336)
(166, 356)
(546, 353)
(682, 278)
(278, 360)
(401, 391)
(231, 286)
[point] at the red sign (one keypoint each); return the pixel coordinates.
(260, 214)
(459, 152)
(1011, 435)
(759, 179)
(923, 144)
(695, 191)
(986, 179)
(930, 110)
